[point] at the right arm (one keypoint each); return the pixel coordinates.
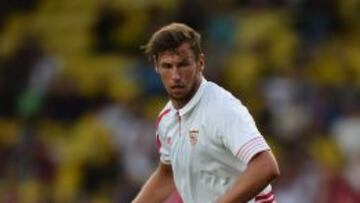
(158, 187)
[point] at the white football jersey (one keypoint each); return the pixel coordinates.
(208, 143)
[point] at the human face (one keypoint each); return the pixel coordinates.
(180, 73)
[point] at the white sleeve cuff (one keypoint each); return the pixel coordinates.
(165, 161)
(251, 148)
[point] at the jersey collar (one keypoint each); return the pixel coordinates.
(194, 100)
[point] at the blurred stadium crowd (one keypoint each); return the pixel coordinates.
(78, 98)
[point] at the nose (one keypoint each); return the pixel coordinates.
(175, 74)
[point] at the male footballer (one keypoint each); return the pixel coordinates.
(210, 148)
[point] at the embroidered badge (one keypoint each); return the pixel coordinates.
(193, 136)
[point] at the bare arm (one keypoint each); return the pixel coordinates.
(158, 187)
(261, 170)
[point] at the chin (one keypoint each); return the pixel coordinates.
(177, 97)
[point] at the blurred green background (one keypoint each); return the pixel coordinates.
(78, 99)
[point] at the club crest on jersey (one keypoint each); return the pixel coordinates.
(193, 136)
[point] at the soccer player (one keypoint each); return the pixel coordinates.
(210, 148)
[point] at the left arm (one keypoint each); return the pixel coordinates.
(261, 170)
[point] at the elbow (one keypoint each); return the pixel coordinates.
(273, 170)
(271, 173)
(266, 164)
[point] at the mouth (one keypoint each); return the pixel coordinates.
(175, 87)
(178, 89)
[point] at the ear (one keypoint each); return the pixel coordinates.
(155, 65)
(202, 62)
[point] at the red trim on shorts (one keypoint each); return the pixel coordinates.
(267, 198)
(174, 198)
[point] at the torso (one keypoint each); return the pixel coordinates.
(203, 167)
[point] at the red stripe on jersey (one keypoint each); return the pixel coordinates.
(158, 141)
(251, 148)
(244, 147)
(160, 117)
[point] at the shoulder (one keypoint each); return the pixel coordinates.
(223, 111)
(162, 115)
(220, 103)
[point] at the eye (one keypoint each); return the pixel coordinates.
(184, 63)
(165, 65)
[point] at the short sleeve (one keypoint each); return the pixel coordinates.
(163, 147)
(240, 134)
